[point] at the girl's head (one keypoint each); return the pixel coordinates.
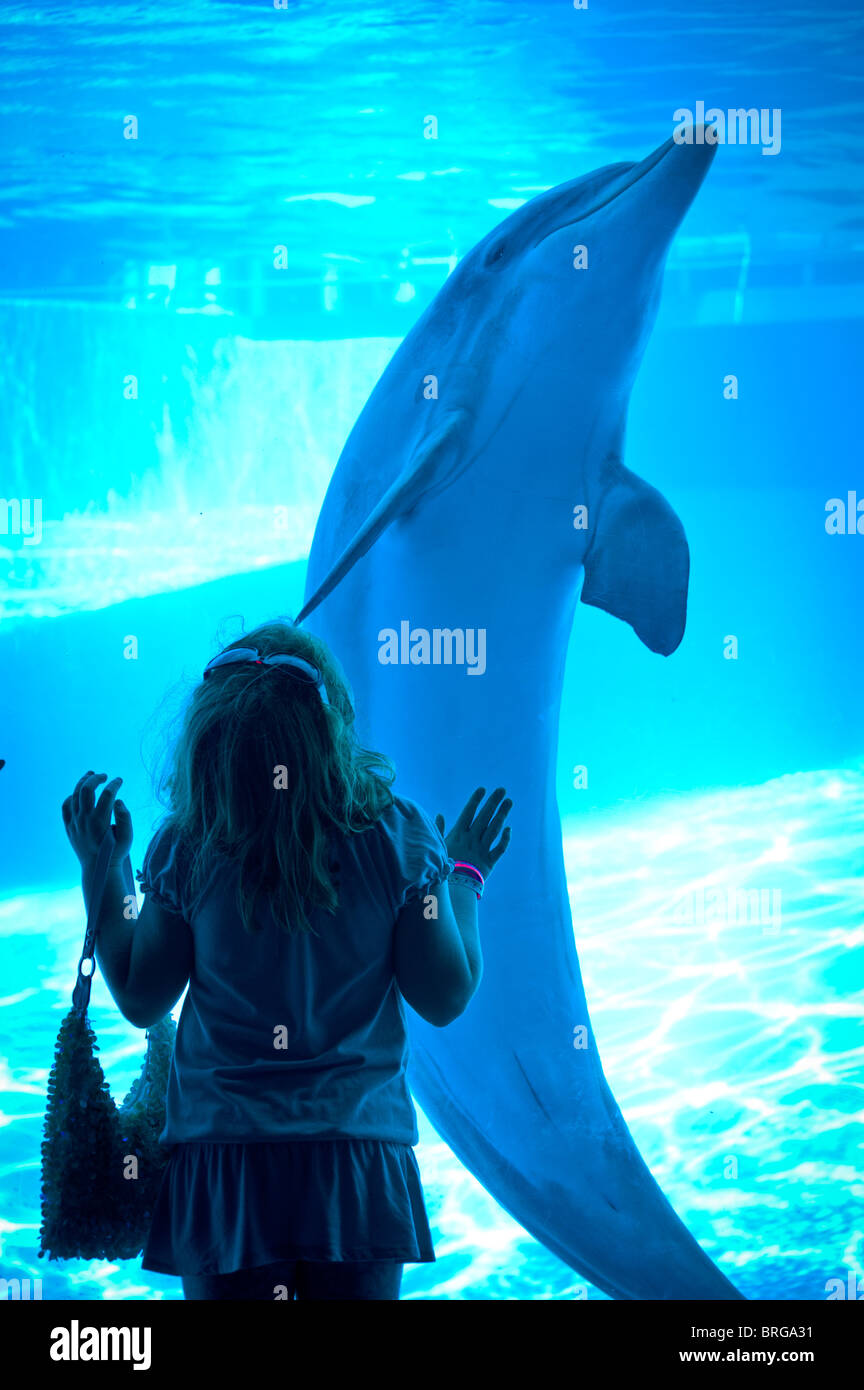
(264, 773)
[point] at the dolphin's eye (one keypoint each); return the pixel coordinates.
(496, 254)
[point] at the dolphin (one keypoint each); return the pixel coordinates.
(482, 491)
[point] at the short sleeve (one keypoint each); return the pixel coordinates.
(419, 851)
(159, 876)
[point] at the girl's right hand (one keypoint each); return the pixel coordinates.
(471, 840)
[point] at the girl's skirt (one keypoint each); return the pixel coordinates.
(223, 1207)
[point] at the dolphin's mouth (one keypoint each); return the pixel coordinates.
(635, 173)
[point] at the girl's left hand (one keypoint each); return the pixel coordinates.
(87, 823)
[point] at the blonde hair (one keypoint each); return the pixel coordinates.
(244, 725)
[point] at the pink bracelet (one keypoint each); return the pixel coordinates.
(472, 869)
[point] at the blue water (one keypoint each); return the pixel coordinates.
(715, 856)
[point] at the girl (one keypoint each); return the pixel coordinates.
(291, 889)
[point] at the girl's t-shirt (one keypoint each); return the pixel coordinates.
(293, 1036)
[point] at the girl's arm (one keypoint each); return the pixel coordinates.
(146, 958)
(463, 900)
(115, 928)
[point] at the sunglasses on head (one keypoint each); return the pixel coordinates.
(302, 670)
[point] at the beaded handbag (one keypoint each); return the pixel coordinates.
(102, 1165)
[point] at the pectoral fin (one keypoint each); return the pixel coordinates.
(436, 461)
(637, 565)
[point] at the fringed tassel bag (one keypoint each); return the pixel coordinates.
(101, 1166)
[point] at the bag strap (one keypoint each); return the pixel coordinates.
(81, 992)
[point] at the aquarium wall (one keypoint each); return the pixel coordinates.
(192, 318)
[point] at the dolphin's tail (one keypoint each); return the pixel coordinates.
(587, 1196)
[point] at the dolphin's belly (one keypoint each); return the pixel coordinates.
(449, 730)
